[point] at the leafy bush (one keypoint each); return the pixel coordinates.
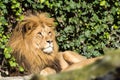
(87, 26)
(84, 26)
(6, 59)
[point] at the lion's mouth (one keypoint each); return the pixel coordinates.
(48, 50)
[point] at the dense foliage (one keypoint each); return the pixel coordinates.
(84, 26)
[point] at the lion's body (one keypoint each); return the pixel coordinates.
(35, 48)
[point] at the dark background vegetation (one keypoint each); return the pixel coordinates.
(84, 26)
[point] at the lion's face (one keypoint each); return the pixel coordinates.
(43, 38)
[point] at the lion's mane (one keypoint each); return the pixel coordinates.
(32, 59)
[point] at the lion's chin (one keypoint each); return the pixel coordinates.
(48, 50)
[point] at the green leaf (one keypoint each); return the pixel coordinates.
(12, 58)
(17, 5)
(2, 46)
(12, 63)
(115, 27)
(21, 69)
(42, 1)
(7, 52)
(6, 1)
(96, 53)
(87, 33)
(7, 55)
(106, 35)
(95, 18)
(102, 3)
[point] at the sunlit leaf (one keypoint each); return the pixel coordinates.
(41, 1)
(21, 69)
(103, 3)
(12, 63)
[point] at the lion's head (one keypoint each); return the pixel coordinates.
(33, 43)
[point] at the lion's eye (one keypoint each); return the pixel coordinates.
(40, 33)
(49, 33)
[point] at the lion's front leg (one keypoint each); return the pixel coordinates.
(62, 61)
(72, 57)
(68, 58)
(47, 71)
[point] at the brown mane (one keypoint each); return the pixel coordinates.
(32, 59)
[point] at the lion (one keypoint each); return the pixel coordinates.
(35, 48)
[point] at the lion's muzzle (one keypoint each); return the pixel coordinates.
(48, 48)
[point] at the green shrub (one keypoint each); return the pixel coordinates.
(6, 10)
(84, 26)
(87, 26)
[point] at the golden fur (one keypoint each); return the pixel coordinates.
(35, 48)
(25, 38)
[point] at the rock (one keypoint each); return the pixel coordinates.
(17, 78)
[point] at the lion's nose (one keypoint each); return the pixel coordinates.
(49, 41)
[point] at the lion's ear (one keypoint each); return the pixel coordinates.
(28, 27)
(25, 28)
